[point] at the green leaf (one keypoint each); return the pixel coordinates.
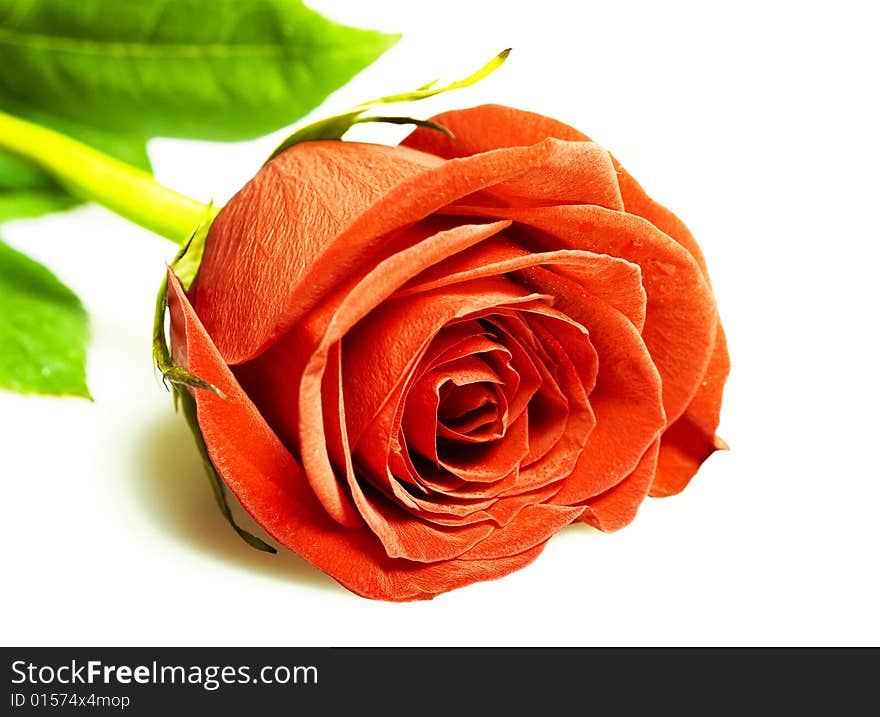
(18, 174)
(43, 330)
(220, 70)
(113, 74)
(336, 126)
(24, 203)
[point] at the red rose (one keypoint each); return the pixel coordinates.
(437, 355)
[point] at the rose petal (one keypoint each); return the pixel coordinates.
(447, 484)
(533, 525)
(271, 380)
(626, 401)
(616, 507)
(352, 303)
(407, 536)
(613, 280)
(548, 409)
(452, 401)
(577, 367)
(475, 413)
(459, 511)
(454, 342)
(529, 525)
(420, 421)
(353, 252)
(331, 488)
(446, 509)
(490, 127)
(638, 202)
(583, 174)
(272, 486)
(691, 439)
(398, 332)
(607, 276)
(487, 127)
(459, 339)
(522, 378)
(272, 231)
(492, 461)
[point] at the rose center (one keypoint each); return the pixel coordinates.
(470, 410)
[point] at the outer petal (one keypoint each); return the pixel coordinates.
(405, 536)
(272, 487)
(533, 525)
(626, 402)
(691, 439)
(488, 127)
(616, 507)
(269, 235)
(583, 174)
(354, 251)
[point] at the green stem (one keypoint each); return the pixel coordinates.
(92, 175)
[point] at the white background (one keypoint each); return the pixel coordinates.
(757, 124)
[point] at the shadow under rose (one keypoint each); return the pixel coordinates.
(174, 489)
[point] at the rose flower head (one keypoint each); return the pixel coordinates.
(435, 356)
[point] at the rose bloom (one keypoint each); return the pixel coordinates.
(435, 356)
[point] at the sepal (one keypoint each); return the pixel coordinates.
(336, 126)
(181, 381)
